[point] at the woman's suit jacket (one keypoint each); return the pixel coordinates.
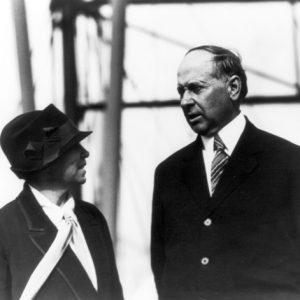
(241, 243)
(25, 235)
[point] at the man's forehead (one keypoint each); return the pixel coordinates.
(199, 53)
(198, 62)
(196, 58)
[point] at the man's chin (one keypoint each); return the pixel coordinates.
(200, 129)
(207, 130)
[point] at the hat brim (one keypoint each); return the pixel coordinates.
(78, 137)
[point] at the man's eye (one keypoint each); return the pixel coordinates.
(195, 88)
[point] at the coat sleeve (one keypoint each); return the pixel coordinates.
(294, 193)
(4, 274)
(157, 233)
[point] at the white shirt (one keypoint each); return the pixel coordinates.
(55, 213)
(230, 135)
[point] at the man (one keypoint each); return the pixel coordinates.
(226, 208)
(52, 246)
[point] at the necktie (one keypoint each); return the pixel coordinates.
(218, 163)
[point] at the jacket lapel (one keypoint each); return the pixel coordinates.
(240, 165)
(41, 230)
(98, 241)
(89, 224)
(194, 175)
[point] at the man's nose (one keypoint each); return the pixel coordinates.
(186, 99)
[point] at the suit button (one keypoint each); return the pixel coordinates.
(207, 222)
(204, 261)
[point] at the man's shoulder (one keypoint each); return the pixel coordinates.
(270, 148)
(185, 153)
(275, 142)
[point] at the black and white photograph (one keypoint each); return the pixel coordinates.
(150, 150)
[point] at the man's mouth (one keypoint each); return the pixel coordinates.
(193, 117)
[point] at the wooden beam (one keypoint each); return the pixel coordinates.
(253, 100)
(24, 55)
(102, 2)
(112, 122)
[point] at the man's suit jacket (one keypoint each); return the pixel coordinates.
(25, 235)
(241, 243)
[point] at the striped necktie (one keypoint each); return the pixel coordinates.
(218, 163)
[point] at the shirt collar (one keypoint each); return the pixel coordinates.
(53, 211)
(229, 134)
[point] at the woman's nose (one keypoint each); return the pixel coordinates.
(84, 153)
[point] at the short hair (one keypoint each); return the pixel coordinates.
(227, 63)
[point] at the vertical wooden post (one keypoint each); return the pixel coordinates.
(112, 125)
(69, 61)
(69, 11)
(296, 44)
(23, 51)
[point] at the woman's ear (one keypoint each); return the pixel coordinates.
(234, 86)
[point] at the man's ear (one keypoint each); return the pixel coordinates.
(234, 86)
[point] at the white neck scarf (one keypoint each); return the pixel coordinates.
(69, 233)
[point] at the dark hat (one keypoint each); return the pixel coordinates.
(33, 140)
